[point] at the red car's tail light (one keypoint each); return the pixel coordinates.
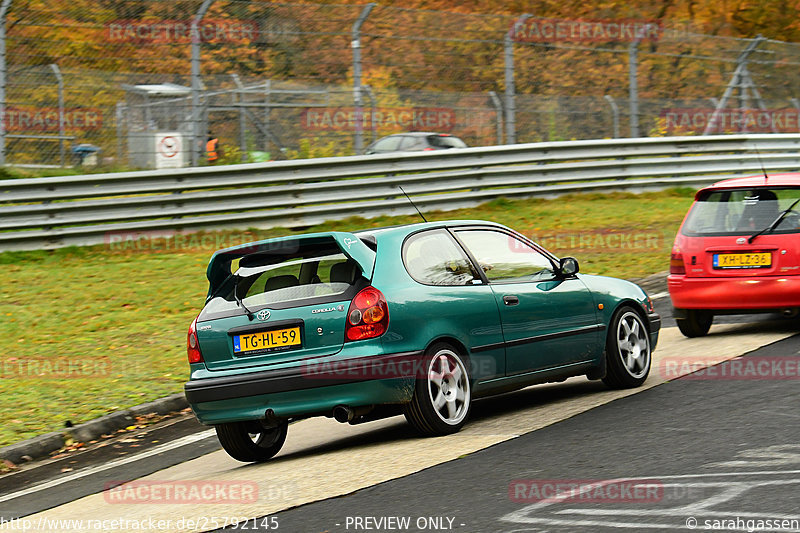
(676, 265)
(192, 345)
(368, 315)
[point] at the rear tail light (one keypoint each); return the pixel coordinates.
(676, 265)
(368, 315)
(192, 345)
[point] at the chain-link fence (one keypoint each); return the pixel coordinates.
(144, 84)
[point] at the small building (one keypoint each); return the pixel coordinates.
(158, 118)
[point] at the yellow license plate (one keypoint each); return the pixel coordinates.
(267, 341)
(752, 260)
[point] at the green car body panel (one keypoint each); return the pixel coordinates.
(556, 328)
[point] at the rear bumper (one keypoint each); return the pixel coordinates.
(304, 389)
(732, 294)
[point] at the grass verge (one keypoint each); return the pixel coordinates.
(88, 331)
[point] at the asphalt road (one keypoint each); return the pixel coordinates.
(698, 450)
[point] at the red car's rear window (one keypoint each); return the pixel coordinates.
(744, 212)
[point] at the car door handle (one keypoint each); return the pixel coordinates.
(510, 300)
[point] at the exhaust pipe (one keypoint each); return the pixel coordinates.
(790, 313)
(343, 413)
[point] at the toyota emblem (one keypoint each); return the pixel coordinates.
(263, 314)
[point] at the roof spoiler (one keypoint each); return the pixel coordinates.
(219, 267)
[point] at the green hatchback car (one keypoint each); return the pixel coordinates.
(419, 319)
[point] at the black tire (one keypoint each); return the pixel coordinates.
(628, 352)
(249, 442)
(696, 324)
(443, 396)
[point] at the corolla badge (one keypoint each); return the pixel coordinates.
(339, 307)
(263, 314)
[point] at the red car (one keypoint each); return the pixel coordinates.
(738, 251)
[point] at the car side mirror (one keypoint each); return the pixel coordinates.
(568, 266)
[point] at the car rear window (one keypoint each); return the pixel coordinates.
(743, 212)
(263, 279)
(446, 141)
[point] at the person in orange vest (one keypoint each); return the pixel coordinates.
(213, 150)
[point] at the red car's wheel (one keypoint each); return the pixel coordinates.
(696, 323)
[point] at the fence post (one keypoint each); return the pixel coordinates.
(242, 124)
(633, 86)
(356, 45)
(197, 135)
(373, 108)
(498, 109)
(267, 98)
(3, 11)
(508, 45)
(615, 113)
(118, 117)
(61, 132)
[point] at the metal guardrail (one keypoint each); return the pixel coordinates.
(45, 213)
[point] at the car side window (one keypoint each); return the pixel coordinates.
(408, 142)
(505, 258)
(388, 144)
(434, 258)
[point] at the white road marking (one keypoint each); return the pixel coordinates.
(536, 513)
(777, 455)
(659, 295)
(183, 441)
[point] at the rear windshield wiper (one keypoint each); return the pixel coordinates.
(775, 224)
(239, 300)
